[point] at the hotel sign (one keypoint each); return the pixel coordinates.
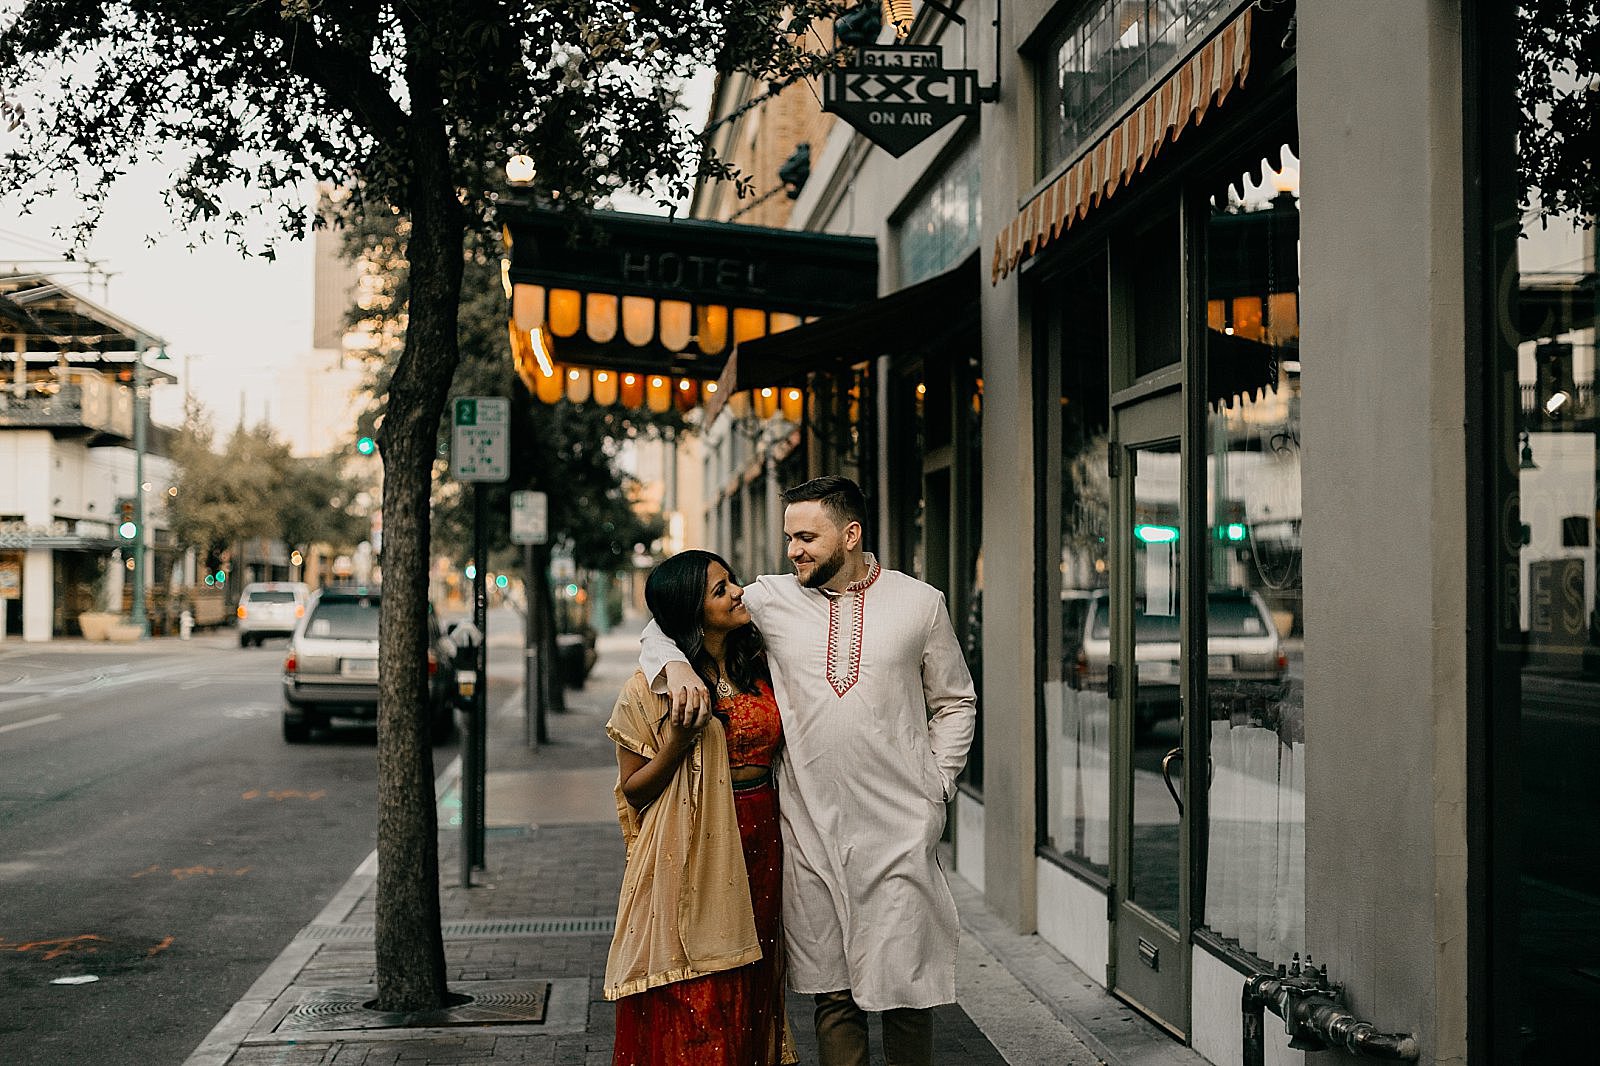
(898, 97)
(703, 263)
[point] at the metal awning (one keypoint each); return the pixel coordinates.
(610, 307)
(46, 316)
(906, 320)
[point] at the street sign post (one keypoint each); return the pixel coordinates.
(530, 527)
(480, 452)
(530, 518)
(480, 448)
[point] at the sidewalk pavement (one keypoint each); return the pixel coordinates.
(535, 928)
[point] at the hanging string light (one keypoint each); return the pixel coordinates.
(901, 14)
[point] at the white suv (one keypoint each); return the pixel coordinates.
(270, 609)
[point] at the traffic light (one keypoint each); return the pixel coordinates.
(127, 528)
(366, 445)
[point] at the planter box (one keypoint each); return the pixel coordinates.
(123, 632)
(96, 625)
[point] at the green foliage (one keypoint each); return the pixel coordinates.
(254, 487)
(251, 102)
(1558, 101)
(568, 450)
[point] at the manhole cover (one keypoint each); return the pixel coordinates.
(487, 1003)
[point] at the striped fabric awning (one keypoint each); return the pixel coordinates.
(1183, 99)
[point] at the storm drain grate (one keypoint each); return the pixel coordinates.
(478, 929)
(483, 1003)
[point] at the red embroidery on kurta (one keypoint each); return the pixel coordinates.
(844, 663)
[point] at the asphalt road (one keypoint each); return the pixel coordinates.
(156, 833)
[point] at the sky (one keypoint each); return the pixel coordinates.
(231, 324)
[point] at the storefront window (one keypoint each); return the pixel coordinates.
(1076, 738)
(1540, 526)
(1254, 688)
(1098, 61)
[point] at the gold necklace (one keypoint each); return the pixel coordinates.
(724, 689)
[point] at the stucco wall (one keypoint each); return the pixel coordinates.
(1384, 536)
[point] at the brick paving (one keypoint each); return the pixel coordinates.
(537, 871)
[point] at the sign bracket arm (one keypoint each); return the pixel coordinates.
(990, 93)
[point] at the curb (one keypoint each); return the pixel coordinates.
(228, 1034)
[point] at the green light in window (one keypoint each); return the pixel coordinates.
(1156, 534)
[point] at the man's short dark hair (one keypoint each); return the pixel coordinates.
(839, 496)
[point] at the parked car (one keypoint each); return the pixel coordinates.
(1243, 647)
(331, 670)
(270, 609)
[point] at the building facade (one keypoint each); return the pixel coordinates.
(73, 461)
(1249, 306)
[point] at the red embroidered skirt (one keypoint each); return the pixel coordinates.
(732, 1018)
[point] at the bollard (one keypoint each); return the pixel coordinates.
(185, 625)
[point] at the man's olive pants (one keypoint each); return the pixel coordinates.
(842, 1033)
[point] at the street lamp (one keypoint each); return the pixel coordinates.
(520, 170)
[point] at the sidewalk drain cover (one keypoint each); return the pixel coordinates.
(465, 930)
(487, 1003)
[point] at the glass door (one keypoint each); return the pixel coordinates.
(1150, 901)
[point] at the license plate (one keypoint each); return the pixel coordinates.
(358, 668)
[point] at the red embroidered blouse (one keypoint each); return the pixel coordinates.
(755, 731)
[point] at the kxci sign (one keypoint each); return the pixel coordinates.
(898, 97)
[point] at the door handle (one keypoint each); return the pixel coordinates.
(1166, 775)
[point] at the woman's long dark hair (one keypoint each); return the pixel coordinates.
(676, 596)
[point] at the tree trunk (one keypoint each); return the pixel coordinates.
(409, 942)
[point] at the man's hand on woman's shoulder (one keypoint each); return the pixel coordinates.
(691, 701)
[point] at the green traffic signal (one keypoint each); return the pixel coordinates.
(366, 445)
(501, 581)
(128, 530)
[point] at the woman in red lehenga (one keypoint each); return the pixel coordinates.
(696, 966)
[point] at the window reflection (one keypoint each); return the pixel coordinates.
(1077, 727)
(1255, 700)
(1550, 625)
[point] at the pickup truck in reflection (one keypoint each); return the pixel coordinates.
(1243, 647)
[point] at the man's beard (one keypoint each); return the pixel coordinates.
(824, 571)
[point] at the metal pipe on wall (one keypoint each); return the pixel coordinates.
(1312, 1017)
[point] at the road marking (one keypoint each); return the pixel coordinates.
(183, 873)
(32, 721)
(58, 946)
(280, 794)
(166, 942)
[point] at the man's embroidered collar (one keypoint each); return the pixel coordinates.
(846, 629)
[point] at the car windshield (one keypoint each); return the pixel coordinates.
(270, 597)
(1230, 615)
(344, 620)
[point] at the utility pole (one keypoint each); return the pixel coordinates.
(141, 402)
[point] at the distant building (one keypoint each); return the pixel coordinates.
(67, 463)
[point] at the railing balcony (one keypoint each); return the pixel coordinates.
(97, 406)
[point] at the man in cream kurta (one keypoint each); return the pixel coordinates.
(878, 713)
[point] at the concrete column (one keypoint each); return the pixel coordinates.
(1009, 780)
(38, 594)
(1380, 101)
